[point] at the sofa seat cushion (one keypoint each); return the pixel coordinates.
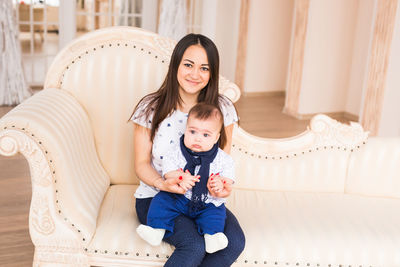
(317, 229)
(281, 228)
(116, 239)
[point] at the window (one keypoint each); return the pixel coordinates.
(38, 26)
(96, 14)
(45, 26)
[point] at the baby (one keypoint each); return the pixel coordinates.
(197, 156)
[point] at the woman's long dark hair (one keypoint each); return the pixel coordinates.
(166, 99)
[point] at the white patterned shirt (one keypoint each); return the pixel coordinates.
(167, 136)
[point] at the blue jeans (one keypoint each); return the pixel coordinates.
(189, 244)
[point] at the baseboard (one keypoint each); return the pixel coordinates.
(351, 117)
(343, 114)
(291, 113)
(260, 94)
(36, 89)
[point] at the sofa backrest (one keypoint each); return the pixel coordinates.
(374, 170)
(314, 161)
(108, 71)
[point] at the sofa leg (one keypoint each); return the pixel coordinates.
(49, 257)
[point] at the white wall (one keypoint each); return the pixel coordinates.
(67, 26)
(150, 10)
(220, 22)
(390, 117)
(227, 34)
(209, 18)
(327, 56)
(268, 45)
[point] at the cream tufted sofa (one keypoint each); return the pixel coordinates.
(328, 197)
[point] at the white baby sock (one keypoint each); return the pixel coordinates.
(215, 242)
(153, 236)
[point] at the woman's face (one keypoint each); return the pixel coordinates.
(193, 71)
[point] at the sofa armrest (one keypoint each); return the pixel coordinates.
(53, 132)
(229, 89)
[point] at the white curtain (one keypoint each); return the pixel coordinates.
(172, 22)
(13, 87)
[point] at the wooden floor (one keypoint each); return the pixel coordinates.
(259, 115)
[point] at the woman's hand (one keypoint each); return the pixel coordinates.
(169, 185)
(219, 186)
(142, 160)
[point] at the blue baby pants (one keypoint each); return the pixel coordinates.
(165, 207)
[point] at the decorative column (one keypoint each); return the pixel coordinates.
(378, 64)
(242, 44)
(13, 87)
(297, 57)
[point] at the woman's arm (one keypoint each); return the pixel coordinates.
(142, 161)
(227, 189)
(229, 132)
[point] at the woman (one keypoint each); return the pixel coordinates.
(160, 120)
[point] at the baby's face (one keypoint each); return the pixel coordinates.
(201, 135)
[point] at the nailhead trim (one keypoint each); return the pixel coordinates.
(126, 253)
(294, 154)
(103, 46)
(297, 264)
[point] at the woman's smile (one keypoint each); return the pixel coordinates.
(193, 82)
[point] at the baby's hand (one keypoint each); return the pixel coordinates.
(216, 184)
(187, 181)
(219, 186)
